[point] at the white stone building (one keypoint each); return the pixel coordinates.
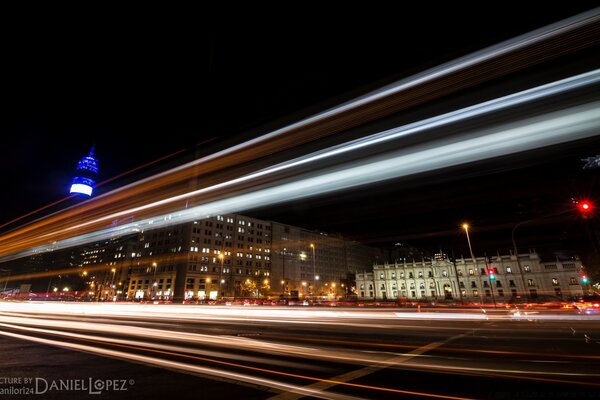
(487, 279)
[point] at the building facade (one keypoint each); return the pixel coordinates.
(105, 266)
(314, 264)
(238, 256)
(483, 279)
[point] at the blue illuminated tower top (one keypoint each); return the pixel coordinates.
(87, 172)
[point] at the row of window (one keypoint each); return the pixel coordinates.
(483, 271)
(511, 283)
(464, 293)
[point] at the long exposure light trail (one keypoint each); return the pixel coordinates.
(520, 98)
(531, 48)
(549, 129)
(171, 336)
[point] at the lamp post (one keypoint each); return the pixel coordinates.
(207, 291)
(283, 273)
(312, 246)
(7, 278)
(155, 265)
(48, 289)
(466, 228)
(516, 251)
(112, 281)
(222, 258)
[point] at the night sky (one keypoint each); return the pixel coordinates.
(141, 90)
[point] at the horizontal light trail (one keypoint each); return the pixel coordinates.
(95, 323)
(520, 98)
(264, 314)
(516, 99)
(180, 366)
(588, 18)
(553, 128)
(486, 64)
(361, 373)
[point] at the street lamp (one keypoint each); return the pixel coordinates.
(48, 289)
(222, 258)
(466, 228)
(315, 278)
(112, 282)
(283, 291)
(152, 294)
(516, 251)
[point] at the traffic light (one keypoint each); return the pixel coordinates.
(585, 207)
(584, 279)
(491, 274)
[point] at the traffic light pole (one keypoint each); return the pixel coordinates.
(492, 278)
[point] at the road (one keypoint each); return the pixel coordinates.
(262, 352)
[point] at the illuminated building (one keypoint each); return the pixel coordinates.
(184, 261)
(105, 266)
(86, 174)
(441, 279)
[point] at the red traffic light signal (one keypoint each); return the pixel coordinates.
(491, 274)
(585, 206)
(584, 279)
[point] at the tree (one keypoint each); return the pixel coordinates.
(248, 288)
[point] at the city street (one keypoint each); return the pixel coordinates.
(294, 352)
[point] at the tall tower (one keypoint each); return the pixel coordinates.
(85, 178)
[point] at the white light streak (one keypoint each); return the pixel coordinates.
(553, 128)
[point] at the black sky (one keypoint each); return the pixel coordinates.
(142, 88)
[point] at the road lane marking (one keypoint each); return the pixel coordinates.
(359, 373)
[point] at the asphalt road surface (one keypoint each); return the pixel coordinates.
(99, 350)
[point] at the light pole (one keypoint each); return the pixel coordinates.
(283, 274)
(516, 251)
(222, 258)
(492, 279)
(48, 289)
(207, 291)
(7, 278)
(314, 277)
(112, 281)
(152, 293)
(466, 228)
